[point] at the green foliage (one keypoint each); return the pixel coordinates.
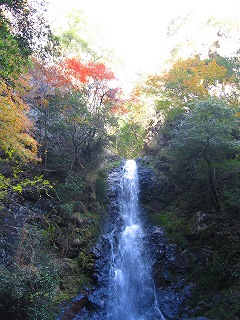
(68, 208)
(221, 277)
(74, 186)
(72, 123)
(27, 25)
(175, 226)
(129, 139)
(80, 128)
(12, 61)
(165, 108)
(202, 147)
(29, 282)
(85, 262)
(34, 186)
(217, 274)
(196, 149)
(101, 186)
(27, 292)
(24, 31)
(4, 185)
(160, 219)
(231, 199)
(70, 39)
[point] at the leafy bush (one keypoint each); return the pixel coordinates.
(27, 293)
(72, 187)
(101, 188)
(203, 147)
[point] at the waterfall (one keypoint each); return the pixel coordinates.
(131, 294)
(124, 288)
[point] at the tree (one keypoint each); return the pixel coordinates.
(206, 138)
(189, 80)
(75, 104)
(134, 115)
(233, 74)
(12, 61)
(22, 30)
(15, 127)
(74, 40)
(26, 24)
(76, 133)
(177, 91)
(88, 109)
(82, 73)
(45, 79)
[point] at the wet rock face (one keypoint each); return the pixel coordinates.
(154, 192)
(95, 308)
(146, 183)
(169, 265)
(77, 304)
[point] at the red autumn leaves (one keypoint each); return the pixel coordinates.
(83, 72)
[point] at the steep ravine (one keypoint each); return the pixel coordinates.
(169, 263)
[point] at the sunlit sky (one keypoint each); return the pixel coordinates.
(136, 29)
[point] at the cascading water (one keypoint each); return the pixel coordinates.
(131, 294)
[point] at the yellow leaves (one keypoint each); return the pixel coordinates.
(17, 188)
(78, 120)
(45, 102)
(15, 126)
(16, 183)
(193, 78)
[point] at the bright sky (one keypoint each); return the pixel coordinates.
(136, 29)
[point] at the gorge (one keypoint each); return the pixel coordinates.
(138, 274)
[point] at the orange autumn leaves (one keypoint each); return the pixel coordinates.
(44, 80)
(15, 127)
(190, 79)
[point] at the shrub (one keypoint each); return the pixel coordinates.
(27, 292)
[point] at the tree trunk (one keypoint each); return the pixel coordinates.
(211, 178)
(214, 192)
(45, 145)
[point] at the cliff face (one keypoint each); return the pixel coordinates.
(196, 253)
(45, 244)
(170, 263)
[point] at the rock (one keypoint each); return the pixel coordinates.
(169, 265)
(76, 243)
(76, 306)
(75, 219)
(98, 298)
(146, 184)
